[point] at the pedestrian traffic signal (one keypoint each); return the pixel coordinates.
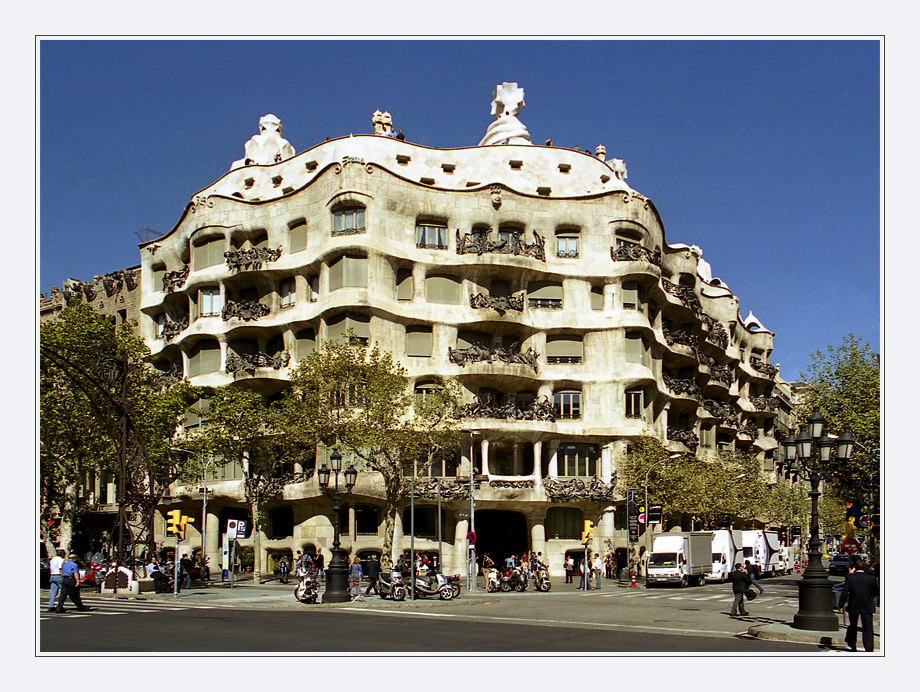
(175, 523)
(586, 534)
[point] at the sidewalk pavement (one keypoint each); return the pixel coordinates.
(787, 633)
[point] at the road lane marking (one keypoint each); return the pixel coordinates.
(401, 612)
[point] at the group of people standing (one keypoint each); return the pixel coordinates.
(591, 568)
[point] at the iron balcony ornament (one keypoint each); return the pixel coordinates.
(722, 411)
(478, 353)
(500, 304)
(635, 253)
(718, 336)
(764, 368)
(246, 310)
(114, 282)
(427, 488)
(172, 329)
(478, 242)
(766, 403)
(687, 437)
(249, 362)
(174, 280)
(251, 259)
(514, 485)
(575, 489)
(170, 377)
(685, 295)
(683, 387)
(485, 406)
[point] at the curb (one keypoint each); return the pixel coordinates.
(787, 633)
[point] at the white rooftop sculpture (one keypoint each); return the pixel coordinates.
(268, 146)
(507, 101)
(383, 124)
(753, 324)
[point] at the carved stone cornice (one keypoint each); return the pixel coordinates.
(724, 412)
(477, 353)
(115, 281)
(485, 407)
(79, 288)
(685, 387)
(249, 363)
(246, 310)
(501, 304)
(252, 258)
(635, 253)
(687, 437)
(575, 489)
(172, 329)
(478, 242)
(174, 280)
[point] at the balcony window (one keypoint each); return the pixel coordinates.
(635, 403)
(208, 252)
(431, 236)
(419, 341)
(204, 357)
(544, 295)
(156, 276)
(348, 271)
(359, 324)
(567, 245)
(564, 523)
(348, 221)
(367, 520)
(209, 301)
(288, 292)
(635, 348)
(577, 460)
(306, 343)
(567, 404)
(297, 236)
(564, 348)
(442, 289)
(633, 296)
(597, 297)
(313, 282)
(405, 286)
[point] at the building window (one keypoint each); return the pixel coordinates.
(405, 286)
(348, 221)
(564, 523)
(208, 252)
(564, 348)
(281, 520)
(209, 301)
(431, 236)
(597, 297)
(635, 348)
(706, 436)
(442, 289)
(288, 292)
(419, 341)
(444, 467)
(635, 403)
(297, 238)
(567, 245)
(567, 404)
(367, 520)
(577, 460)
(360, 326)
(544, 295)
(204, 357)
(197, 415)
(348, 271)
(313, 282)
(161, 324)
(306, 343)
(156, 276)
(633, 296)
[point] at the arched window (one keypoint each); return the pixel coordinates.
(432, 236)
(577, 459)
(348, 221)
(567, 244)
(348, 271)
(297, 238)
(306, 343)
(367, 520)
(338, 326)
(208, 252)
(204, 357)
(281, 521)
(442, 289)
(419, 341)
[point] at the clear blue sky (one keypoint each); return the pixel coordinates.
(763, 153)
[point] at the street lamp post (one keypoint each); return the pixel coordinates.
(673, 455)
(812, 450)
(337, 572)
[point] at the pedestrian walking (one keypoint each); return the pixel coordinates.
(320, 563)
(356, 572)
(373, 575)
(752, 573)
(860, 590)
(70, 575)
(57, 562)
(741, 582)
(569, 568)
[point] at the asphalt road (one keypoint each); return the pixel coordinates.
(268, 620)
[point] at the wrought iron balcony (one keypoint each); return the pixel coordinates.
(478, 242)
(501, 304)
(477, 353)
(172, 329)
(246, 310)
(723, 411)
(683, 387)
(718, 336)
(685, 295)
(174, 280)
(679, 336)
(251, 259)
(765, 403)
(574, 489)
(486, 407)
(246, 362)
(635, 253)
(764, 368)
(687, 437)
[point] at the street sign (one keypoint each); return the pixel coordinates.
(241, 528)
(471, 537)
(232, 528)
(632, 515)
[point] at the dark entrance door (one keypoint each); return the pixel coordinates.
(500, 533)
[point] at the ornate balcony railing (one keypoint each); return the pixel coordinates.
(687, 437)
(170, 377)
(501, 304)
(686, 296)
(683, 387)
(427, 488)
(477, 353)
(486, 407)
(722, 373)
(635, 253)
(174, 280)
(252, 258)
(764, 368)
(718, 336)
(245, 362)
(514, 485)
(575, 489)
(724, 412)
(246, 310)
(172, 329)
(750, 429)
(679, 336)
(766, 403)
(478, 242)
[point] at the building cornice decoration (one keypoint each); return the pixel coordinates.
(575, 490)
(174, 280)
(687, 437)
(79, 288)
(172, 329)
(484, 407)
(722, 411)
(500, 304)
(636, 253)
(252, 258)
(114, 282)
(477, 353)
(249, 362)
(246, 310)
(516, 485)
(199, 202)
(478, 242)
(679, 386)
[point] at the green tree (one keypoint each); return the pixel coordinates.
(88, 419)
(347, 396)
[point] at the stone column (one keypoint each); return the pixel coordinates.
(538, 536)
(485, 456)
(517, 466)
(554, 459)
(458, 559)
(212, 548)
(538, 466)
(605, 469)
(398, 537)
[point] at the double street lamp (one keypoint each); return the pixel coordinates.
(337, 572)
(811, 451)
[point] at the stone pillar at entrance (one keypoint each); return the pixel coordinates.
(554, 459)
(398, 537)
(538, 537)
(212, 548)
(458, 559)
(538, 465)
(485, 456)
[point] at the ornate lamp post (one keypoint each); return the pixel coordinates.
(812, 451)
(337, 572)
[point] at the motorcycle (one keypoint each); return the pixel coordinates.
(493, 582)
(92, 576)
(541, 578)
(512, 578)
(433, 585)
(307, 589)
(390, 585)
(454, 582)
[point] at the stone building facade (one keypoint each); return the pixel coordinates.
(533, 275)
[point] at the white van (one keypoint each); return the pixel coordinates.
(726, 552)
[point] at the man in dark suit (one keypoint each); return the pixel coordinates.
(741, 582)
(858, 596)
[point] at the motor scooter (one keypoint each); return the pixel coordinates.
(433, 585)
(513, 579)
(391, 585)
(493, 581)
(454, 582)
(307, 589)
(541, 578)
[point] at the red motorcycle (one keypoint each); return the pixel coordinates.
(92, 576)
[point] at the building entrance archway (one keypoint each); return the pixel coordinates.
(501, 533)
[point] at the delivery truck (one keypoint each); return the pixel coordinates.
(761, 549)
(680, 557)
(727, 551)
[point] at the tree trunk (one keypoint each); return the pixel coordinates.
(389, 528)
(256, 543)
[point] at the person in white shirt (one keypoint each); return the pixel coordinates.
(56, 579)
(598, 567)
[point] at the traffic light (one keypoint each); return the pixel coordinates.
(863, 520)
(876, 520)
(783, 535)
(586, 534)
(175, 524)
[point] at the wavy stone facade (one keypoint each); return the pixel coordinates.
(534, 275)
